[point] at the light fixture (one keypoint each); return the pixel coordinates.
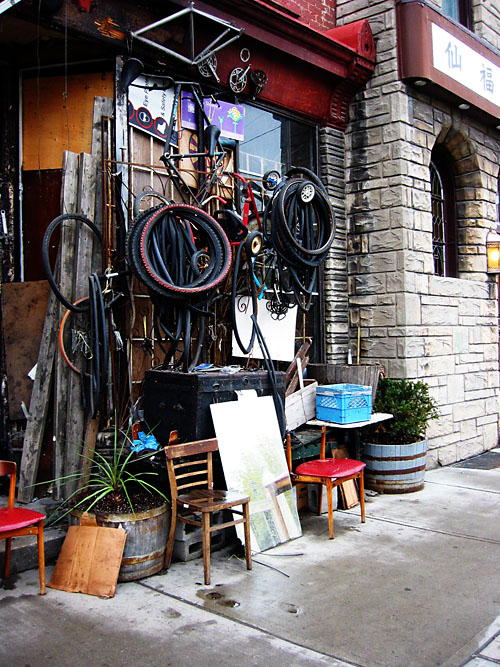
(464, 106)
(420, 82)
(493, 251)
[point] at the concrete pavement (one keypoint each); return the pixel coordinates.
(417, 584)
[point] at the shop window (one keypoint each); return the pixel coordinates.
(276, 142)
(459, 10)
(444, 229)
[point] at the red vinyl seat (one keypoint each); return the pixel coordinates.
(330, 468)
(17, 521)
(329, 473)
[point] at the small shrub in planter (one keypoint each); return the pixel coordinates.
(395, 451)
(412, 409)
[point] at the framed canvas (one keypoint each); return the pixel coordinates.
(253, 460)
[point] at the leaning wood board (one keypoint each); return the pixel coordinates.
(89, 561)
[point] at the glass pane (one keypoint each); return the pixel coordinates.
(261, 149)
(450, 8)
(438, 222)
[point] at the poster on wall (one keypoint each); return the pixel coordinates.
(254, 463)
(150, 110)
(229, 117)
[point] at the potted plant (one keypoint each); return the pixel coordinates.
(121, 494)
(395, 451)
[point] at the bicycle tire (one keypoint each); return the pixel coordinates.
(216, 236)
(45, 254)
(62, 345)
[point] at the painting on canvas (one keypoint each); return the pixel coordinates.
(253, 460)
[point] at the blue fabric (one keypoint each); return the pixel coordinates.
(144, 442)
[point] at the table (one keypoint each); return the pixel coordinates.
(354, 428)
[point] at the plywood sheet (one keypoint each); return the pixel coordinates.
(58, 116)
(89, 561)
(24, 306)
(253, 460)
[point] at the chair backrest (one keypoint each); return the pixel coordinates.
(9, 468)
(194, 469)
(322, 448)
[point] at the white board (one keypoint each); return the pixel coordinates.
(279, 334)
(253, 460)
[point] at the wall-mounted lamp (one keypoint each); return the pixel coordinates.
(420, 82)
(493, 251)
(464, 106)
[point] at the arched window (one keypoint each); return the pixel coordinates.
(444, 228)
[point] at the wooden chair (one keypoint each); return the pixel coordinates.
(17, 521)
(193, 472)
(327, 472)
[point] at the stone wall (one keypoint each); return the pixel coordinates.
(332, 171)
(443, 331)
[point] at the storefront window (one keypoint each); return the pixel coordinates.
(274, 142)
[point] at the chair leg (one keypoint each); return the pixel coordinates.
(362, 496)
(246, 526)
(8, 544)
(206, 545)
(171, 536)
(41, 558)
(329, 488)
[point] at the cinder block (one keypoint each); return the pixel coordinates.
(189, 543)
(312, 494)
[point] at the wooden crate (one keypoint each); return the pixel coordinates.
(300, 406)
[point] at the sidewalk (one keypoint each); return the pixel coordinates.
(417, 584)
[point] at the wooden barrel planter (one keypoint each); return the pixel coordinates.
(146, 541)
(395, 468)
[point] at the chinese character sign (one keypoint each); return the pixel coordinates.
(464, 65)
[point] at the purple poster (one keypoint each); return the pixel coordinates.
(229, 117)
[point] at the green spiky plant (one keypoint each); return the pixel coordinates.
(112, 478)
(412, 409)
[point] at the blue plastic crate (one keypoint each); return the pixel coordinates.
(343, 403)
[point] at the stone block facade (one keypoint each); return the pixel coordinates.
(418, 325)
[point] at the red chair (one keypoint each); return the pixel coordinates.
(327, 472)
(17, 521)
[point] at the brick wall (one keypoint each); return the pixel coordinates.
(440, 330)
(318, 14)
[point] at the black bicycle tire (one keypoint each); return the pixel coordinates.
(219, 235)
(281, 217)
(45, 254)
(163, 286)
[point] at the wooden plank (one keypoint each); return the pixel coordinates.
(103, 108)
(82, 269)
(69, 195)
(39, 405)
(24, 306)
(291, 376)
(349, 494)
(88, 451)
